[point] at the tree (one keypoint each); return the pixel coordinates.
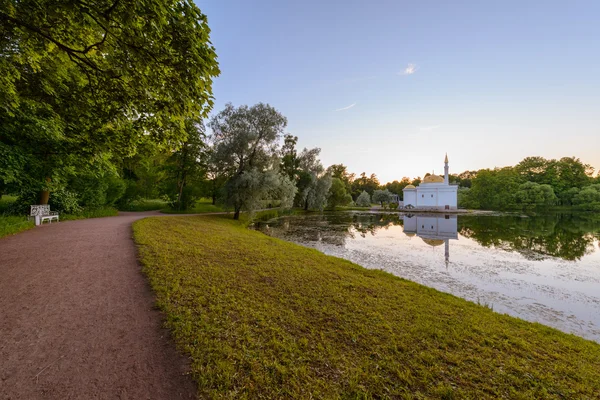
(340, 171)
(250, 189)
(382, 196)
(338, 196)
(363, 200)
(289, 157)
(311, 182)
(531, 194)
(366, 183)
(88, 79)
(397, 187)
(319, 193)
(245, 144)
(495, 189)
(589, 195)
(186, 168)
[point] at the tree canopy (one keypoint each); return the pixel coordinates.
(86, 81)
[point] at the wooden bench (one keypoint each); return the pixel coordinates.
(42, 213)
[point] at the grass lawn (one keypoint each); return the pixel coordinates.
(9, 225)
(146, 205)
(202, 206)
(263, 318)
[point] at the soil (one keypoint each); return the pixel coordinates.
(77, 317)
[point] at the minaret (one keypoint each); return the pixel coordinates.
(446, 180)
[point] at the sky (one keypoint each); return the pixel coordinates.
(390, 87)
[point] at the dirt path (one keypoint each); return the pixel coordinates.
(77, 318)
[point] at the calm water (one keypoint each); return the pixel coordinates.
(543, 268)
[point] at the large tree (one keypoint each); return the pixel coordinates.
(245, 142)
(87, 79)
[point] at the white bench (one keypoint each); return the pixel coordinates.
(42, 213)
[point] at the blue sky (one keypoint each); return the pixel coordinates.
(388, 87)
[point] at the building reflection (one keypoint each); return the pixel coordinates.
(435, 230)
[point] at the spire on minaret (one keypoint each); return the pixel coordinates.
(446, 180)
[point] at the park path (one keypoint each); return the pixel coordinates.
(77, 318)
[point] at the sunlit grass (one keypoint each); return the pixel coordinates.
(263, 318)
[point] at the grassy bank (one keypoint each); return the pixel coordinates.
(263, 318)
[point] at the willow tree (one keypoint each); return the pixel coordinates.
(89, 80)
(245, 146)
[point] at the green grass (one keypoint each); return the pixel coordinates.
(93, 213)
(263, 318)
(146, 205)
(202, 206)
(9, 225)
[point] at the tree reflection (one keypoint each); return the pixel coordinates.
(562, 235)
(566, 236)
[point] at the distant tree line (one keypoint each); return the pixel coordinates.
(535, 182)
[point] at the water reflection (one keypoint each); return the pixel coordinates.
(541, 268)
(433, 229)
(566, 236)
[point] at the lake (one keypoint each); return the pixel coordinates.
(540, 268)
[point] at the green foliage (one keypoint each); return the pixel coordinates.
(63, 201)
(340, 171)
(90, 213)
(397, 187)
(382, 196)
(588, 198)
(245, 143)
(531, 194)
(146, 205)
(338, 196)
(6, 202)
(202, 206)
(186, 168)
(289, 158)
(364, 183)
(263, 318)
(249, 190)
(88, 81)
(363, 200)
(495, 189)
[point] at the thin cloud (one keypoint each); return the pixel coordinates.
(428, 128)
(346, 108)
(411, 69)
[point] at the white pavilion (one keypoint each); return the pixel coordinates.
(434, 193)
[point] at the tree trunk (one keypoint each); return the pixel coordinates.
(45, 194)
(236, 215)
(214, 192)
